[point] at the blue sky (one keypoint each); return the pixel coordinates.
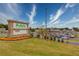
(58, 14)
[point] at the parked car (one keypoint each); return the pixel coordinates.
(72, 36)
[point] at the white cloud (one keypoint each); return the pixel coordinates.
(70, 5)
(13, 8)
(43, 24)
(55, 18)
(59, 13)
(4, 17)
(10, 11)
(57, 22)
(51, 17)
(32, 15)
(72, 21)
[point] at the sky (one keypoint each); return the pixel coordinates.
(58, 15)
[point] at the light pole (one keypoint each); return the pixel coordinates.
(45, 23)
(46, 18)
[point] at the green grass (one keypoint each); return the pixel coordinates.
(37, 47)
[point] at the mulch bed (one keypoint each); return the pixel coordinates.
(15, 38)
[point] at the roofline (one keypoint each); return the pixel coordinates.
(17, 21)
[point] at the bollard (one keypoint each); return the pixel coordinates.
(50, 38)
(62, 40)
(58, 40)
(54, 39)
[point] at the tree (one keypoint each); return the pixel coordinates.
(4, 26)
(1, 26)
(76, 29)
(32, 30)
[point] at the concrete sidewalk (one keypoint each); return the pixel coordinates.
(75, 43)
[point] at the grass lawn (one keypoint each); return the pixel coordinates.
(37, 47)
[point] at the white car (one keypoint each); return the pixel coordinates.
(72, 36)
